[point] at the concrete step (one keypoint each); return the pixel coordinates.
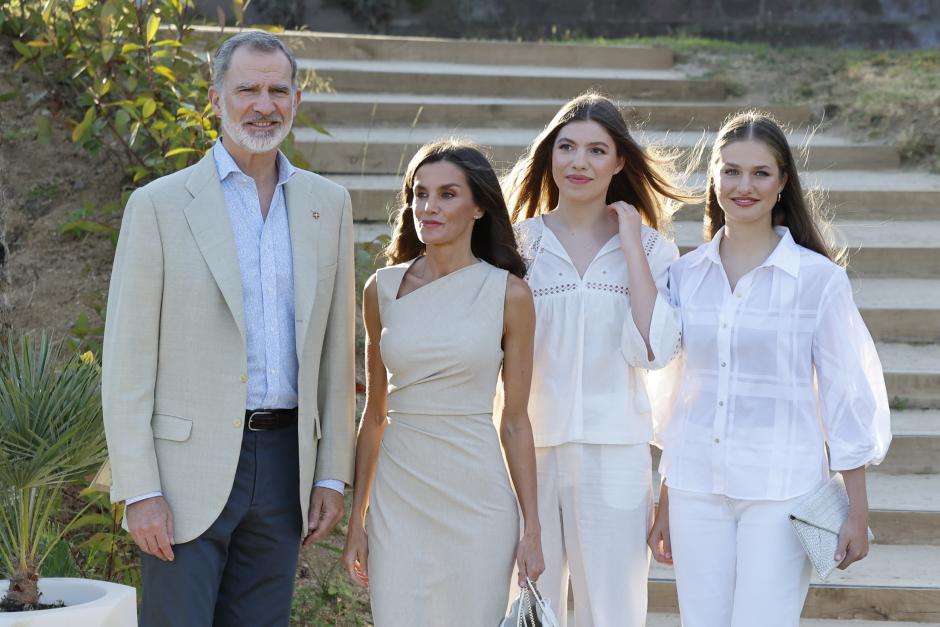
(544, 81)
(672, 620)
(855, 195)
(912, 374)
(915, 447)
(375, 109)
(379, 150)
(904, 509)
(900, 310)
(895, 583)
(895, 249)
(358, 47)
(483, 52)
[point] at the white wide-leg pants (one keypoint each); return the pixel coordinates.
(738, 563)
(595, 502)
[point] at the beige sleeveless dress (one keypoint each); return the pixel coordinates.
(442, 521)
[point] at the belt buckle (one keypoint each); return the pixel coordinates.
(257, 413)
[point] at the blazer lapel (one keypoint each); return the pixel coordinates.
(304, 219)
(209, 221)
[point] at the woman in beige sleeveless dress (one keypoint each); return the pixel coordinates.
(434, 530)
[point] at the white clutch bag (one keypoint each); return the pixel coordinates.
(817, 520)
(529, 609)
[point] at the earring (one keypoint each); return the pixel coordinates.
(779, 194)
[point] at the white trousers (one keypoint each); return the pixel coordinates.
(595, 502)
(738, 563)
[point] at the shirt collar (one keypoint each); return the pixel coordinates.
(786, 254)
(225, 164)
(551, 243)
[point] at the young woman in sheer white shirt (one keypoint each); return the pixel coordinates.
(776, 366)
(587, 199)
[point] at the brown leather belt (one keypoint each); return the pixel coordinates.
(270, 419)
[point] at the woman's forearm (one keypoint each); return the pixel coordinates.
(367, 455)
(518, 444)
(858, 494)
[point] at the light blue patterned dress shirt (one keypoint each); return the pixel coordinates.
(267, 272)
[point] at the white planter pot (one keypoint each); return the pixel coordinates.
(88, 603)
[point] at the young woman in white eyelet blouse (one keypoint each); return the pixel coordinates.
(776, 366)
(580, 198)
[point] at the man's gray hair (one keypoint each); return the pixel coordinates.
(256, 40)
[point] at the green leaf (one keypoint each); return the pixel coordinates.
(107, 51)
(171, 43)
(37, 43)
(104, 86)
(121, 120)
(153, 23)
(166, 72)
(179, 151)
(81, 4)
(23, 49)
(135, 128)
(43, 130)
(130, 47)
(82, 127)
(10, 95)
(238, 6)
(148, 107)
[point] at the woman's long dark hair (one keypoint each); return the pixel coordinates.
(645, 180)
(795, 210)
(492, 239)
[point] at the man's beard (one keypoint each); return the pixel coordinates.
(255, 143)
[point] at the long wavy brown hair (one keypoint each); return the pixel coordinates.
(646, 180)
(798, 211)
(492, 239)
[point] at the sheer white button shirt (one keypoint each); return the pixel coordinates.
(770, 374)
(588, 382)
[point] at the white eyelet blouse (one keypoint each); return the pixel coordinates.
(770, 375)
(588, 382)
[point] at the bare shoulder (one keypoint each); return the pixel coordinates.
(518, 298)
(517, 291)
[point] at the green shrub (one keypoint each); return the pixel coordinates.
(51, 437)
(130, 69)
(133, 75)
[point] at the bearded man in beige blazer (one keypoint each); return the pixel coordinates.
(228, 359)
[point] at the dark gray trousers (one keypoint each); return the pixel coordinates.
(240, 572)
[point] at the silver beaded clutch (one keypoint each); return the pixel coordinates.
(817, 520)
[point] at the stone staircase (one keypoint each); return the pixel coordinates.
(393, 94)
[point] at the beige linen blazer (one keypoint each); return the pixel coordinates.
(174, 364)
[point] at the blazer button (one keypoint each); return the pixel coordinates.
(237, 423)
(243, 378)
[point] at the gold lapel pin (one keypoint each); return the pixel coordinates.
(316, 215)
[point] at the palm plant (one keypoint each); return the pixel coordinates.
(51, 436)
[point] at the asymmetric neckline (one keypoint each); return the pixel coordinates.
(399, 296)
